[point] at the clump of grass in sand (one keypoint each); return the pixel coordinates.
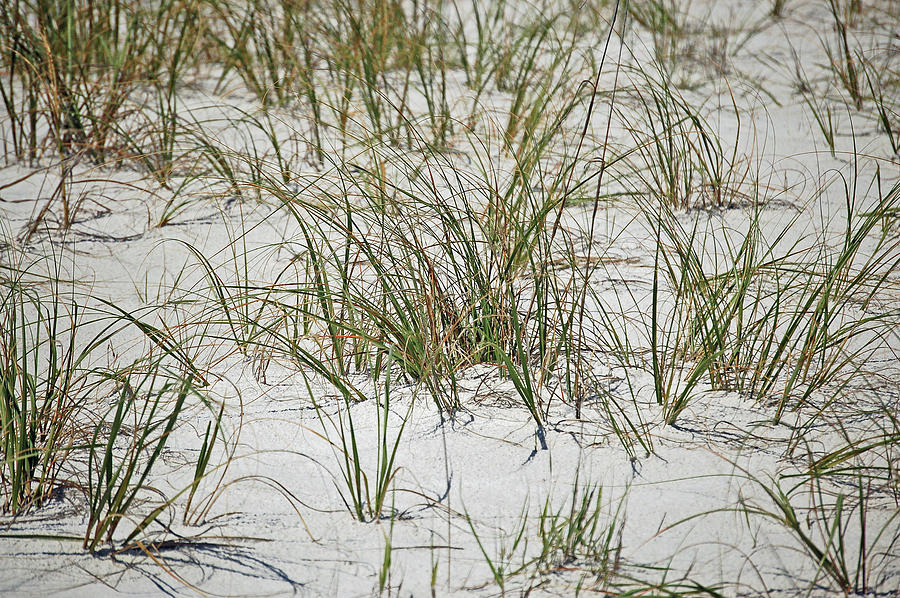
(145, 413)
(52, 437)
(777, 323)
(364, 489)
(41, 387)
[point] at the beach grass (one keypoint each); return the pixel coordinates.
(585, 208)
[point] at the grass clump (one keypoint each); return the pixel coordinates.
(144, 414)
(847, 542)
(53, 438)
(773, 318)
(364, 490)
(40, 391)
